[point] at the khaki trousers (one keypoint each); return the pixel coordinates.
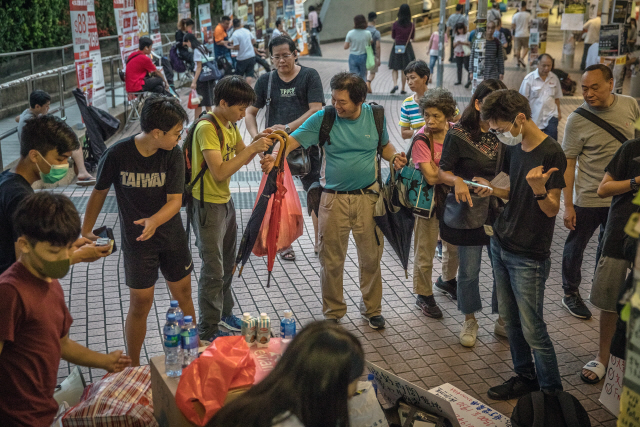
(426, 239)
(339, 215)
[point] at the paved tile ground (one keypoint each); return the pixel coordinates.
(422, 350)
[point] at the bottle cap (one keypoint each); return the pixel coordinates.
(188, 319)
(173, 303)
(264, 316)
(288, 314)
(171, 317)
(246, 316)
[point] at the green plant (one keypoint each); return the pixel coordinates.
(105, 18)
(46, 24)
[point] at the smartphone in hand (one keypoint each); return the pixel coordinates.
(475, 184)
(106, 233)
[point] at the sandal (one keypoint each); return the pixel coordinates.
(597, 368)
(288, 254)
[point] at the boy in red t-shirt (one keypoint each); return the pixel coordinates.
(141, 75)
(34, 319)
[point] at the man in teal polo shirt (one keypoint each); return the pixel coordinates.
(350, 192)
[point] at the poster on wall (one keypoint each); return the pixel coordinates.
(573, 16)
(258, 16)
(142, 9)
(227, 8)
(184, 9)
(301, 28)
(127, 25)
(154, 27)
(204, 21)
(609, 40)
(621, 11)
(86, 52)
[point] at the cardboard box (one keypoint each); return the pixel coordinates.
(164, 388)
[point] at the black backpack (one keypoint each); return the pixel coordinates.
(539, 409)
(509, 37)
(330, 117)
(319, 27)
(187, 147)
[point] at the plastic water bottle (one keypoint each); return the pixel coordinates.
(287, 326)
(172, 349)
(189, 341)
(175, 309)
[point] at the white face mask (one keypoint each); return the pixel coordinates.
(507, 138)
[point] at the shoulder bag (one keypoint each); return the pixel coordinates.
(604, 125)
(298, 159)
(209, 70)
(415, 192)
(401, 49)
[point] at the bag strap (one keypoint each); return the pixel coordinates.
(378, 118)
(268, 101)
(410, 34)
(537, 402)
(568, 407)
(604, 125)
(328, 119)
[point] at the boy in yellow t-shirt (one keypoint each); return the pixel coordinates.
(214, 223)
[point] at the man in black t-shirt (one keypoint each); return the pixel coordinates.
(147, 173)
(521, 240)
(296, 94)
(46, 145)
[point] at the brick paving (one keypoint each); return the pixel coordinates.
(419, 349)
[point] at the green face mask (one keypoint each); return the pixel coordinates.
(53, 269)
(56, 173)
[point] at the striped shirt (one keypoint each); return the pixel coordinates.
(410, 116)
(493, 59)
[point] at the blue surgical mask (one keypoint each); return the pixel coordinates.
(56, 173)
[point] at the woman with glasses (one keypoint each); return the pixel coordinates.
(357, 41)
(470, 150)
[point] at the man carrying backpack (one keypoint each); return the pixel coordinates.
(350, 192)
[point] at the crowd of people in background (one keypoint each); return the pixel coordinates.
(497, 169)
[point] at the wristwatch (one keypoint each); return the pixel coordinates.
(287, 129)
(540, 196)
(634, 184)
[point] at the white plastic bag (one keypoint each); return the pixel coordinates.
(364, 409)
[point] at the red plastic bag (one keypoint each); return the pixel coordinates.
(226, 364)
(291, 221)
(117, 400)
(194, 100)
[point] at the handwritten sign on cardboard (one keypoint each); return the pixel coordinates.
(612, 389)
(470, 411)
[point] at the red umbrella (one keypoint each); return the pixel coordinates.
(274, 223)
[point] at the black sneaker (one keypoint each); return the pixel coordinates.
(428, 306)
(394, 90)
(449, 288)
(513, 388)
(576, 306)
(376, 322)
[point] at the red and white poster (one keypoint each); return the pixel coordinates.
(154, 27)
(127, 25)
(86, 52)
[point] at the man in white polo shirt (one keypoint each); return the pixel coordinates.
(542, 88)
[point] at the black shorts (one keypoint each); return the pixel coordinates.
(141, 267)
(205, 90)
(245, 67)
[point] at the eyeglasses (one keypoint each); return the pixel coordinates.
(278, 58)
(503, 132)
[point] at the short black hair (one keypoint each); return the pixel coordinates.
(606, 71)
(234, 90)
(38, 97)
(372, 16)
(225, 18)
(47, 217)
(144, 42)
(441, 99)
(161, 112)
(312, 8)
(458, 26)
(280, 40)
(459, 7)
(237, 23)
(505, 105)
(352, 83)
(278, 22)
(419, 67)
(45, 133)
(524, 4)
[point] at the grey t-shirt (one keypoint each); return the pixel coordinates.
(594, 147)
(26, 115)
(358, 39)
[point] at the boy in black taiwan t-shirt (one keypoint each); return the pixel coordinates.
(147, 173)
(522, 237)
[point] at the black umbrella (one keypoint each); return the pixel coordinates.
(252, 229)
(396, 223)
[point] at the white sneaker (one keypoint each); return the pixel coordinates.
(469, 333)
(499, 328)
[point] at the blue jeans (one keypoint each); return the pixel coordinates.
(520, 284)
(432, 63)
(552, 128)
(358, 65)
(470, 259)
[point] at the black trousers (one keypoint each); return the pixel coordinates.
(154, 84)
(460, 61)
(587, 221)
